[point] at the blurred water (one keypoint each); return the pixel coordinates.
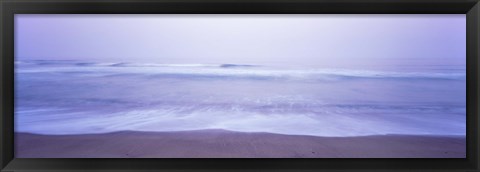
(75, 97)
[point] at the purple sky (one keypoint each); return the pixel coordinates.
(242, 38)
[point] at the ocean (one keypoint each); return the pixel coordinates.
(58, 97)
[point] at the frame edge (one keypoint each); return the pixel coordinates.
(473, 39)
(6, 89)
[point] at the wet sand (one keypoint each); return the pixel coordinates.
(227, 144)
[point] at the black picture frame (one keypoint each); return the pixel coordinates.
(10, 7)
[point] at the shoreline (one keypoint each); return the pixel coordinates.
(231, 144)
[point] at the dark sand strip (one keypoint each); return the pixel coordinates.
(226, 144)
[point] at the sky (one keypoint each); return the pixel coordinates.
(243, 38)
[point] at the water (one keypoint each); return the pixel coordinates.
(77, 97)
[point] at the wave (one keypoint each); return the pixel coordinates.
(178, 119)
(228, 70)
(235, 65)
(156, 65)
(173, 65)
(123, 64)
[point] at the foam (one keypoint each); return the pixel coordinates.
(321, 123)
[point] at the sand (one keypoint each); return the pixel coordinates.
(227, 144)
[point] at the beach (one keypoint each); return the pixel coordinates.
(228, 144)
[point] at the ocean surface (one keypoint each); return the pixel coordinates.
(79, 97)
